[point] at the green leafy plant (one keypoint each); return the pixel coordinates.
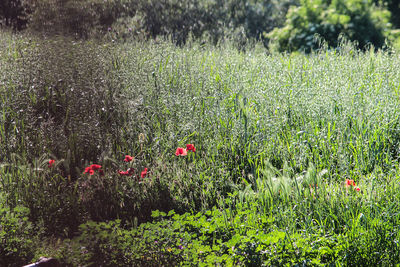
(17, 236)
(356, 20)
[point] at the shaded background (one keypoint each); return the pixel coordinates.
(286, 25)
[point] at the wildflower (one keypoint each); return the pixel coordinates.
(350, 183)
(143, 173)
(90, 172)
(128, 158)
(180, 247)
(190, 147)
(92, 168)
(122, 173)
(180, 151)
(51, 162)
(88, 169)
(128, 172)
(95, 167)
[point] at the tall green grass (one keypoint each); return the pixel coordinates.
(276, 135)
(337, 110)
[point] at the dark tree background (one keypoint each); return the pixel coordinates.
(15, 13)
(293, 23)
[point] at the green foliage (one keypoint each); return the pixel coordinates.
(356, 20)
(174, 18)
(256, 18)
(394, 7)
(213, 20)
(17, 236)
(227, 237)
(366, 22)
(276, 137)
(178, 20)
(99, 244)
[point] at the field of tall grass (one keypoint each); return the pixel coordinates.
(296, 156)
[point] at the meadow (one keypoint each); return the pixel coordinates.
(296, 157)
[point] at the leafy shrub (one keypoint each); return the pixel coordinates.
(356, 20)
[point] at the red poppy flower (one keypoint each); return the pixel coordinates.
(128, 158)
(357, 189)
(143, 173)
(190, 147)
(95, 167)
(350, 182)
(92, 168)
(123, 173)
(127, 172)
(180, 151)
(88, 169)
(51, 162)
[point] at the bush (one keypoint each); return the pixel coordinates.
(355, 20)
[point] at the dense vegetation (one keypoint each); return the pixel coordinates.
(151, 133)
(296, 157)
(285, 25)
